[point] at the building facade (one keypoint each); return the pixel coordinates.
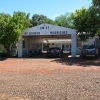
(46, 35)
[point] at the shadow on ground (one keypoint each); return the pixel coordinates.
(66, 60)
(1, 59)
(87, 62)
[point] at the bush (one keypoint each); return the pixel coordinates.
(5, 54)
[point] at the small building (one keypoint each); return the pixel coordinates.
(47, 35)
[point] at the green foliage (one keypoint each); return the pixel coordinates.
(37, 19)
(85, 21)
(83, 36)
(79, 17)
(4, 24)
(11, 27)
(96, 4)
(64, 20)
(40, 19)
(50, 21)
(92, 22)
(5, 54)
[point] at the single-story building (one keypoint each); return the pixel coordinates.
(47, 35)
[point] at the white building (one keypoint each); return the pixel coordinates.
(46, 35)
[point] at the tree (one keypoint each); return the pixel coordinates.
(11, 27)
(39, 19)
(64, 20)
(96, 4)
(93, 22)
(85, 21)
(4, 23)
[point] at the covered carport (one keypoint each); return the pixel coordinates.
(47, 35)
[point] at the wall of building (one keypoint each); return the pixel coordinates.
(35, 43)
(90, 41)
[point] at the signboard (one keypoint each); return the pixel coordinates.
(47, 29)
(51, 33)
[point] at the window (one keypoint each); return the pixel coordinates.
(67, 46)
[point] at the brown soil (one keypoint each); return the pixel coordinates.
(49, 79)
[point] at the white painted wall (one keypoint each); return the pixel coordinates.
(46, 29)
(89, 41)
(35, 43)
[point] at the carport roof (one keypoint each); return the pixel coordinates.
(47, 29)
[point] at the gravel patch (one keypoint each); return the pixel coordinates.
(45, 79)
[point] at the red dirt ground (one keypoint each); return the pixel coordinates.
(45, 65)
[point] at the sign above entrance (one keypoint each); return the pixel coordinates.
(47, 29)
(32, 33)
(58, 32)
(51, 33)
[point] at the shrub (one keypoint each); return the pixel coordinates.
(5, 54)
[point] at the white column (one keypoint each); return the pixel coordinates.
(73, 45)
(20, 48)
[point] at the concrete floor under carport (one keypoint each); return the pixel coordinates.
(31, 42)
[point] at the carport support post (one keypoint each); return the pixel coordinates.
(73, 45)
(20, 49)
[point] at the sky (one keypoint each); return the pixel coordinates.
(49, 8)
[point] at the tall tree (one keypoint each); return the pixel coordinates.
(85, 22)
(4, 23)
(93, 22)
(64, 20)
(39, 19)
(96, 4)
(11, 27)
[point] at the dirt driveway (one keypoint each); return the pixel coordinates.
(49, 79)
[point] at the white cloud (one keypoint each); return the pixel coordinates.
(56, 16)
(53, 17)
